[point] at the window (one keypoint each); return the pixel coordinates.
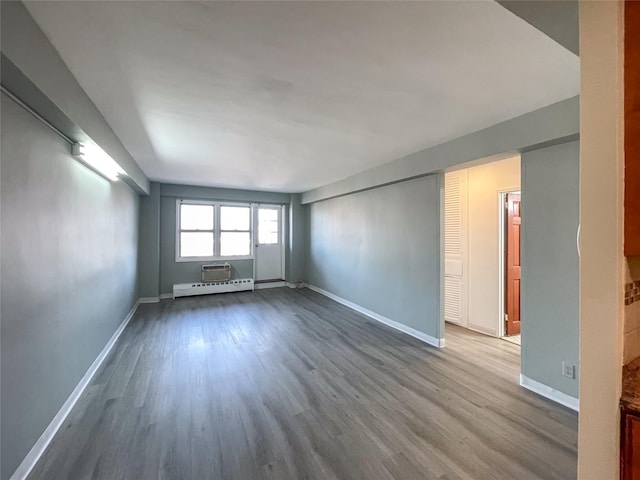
(196, 230)
(235, 231)
(212, 230)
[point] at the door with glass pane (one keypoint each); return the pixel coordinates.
(269, 245)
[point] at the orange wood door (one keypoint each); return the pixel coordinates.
(632, 128)
(630, 449)
(512, 297)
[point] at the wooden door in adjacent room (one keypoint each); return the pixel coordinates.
(512, 262)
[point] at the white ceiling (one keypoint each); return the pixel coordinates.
(291, 96)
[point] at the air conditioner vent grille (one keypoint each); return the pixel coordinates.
(217, 272)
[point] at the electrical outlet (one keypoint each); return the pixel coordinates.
(568, 370)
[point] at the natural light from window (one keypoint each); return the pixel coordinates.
(267, 226)
(213, 230)
(235, 231)
(196, 230)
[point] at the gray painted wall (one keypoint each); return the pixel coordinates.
(554, 124)
(228, 194)
(558, 20)
(158, 269)
(550, 282)
(27, 47)
(149, 243)
(297, 240)
(184, 272)
(381, 250)
(172, 272)
(68, 261)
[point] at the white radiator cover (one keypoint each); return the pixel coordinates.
(189, 289)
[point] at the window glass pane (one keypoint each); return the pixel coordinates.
(235, 243)
(235, 218)
(267, 226)
(196, 244)
(196, 217)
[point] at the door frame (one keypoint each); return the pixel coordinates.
(281, 234)
(502, 250)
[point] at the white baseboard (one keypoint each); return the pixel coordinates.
(436, 342)
(155, 299)
(482, 329)
(261, 286)
(149, 299)
(43, 442)
(550, 393)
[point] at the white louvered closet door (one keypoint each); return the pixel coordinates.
(455, 247)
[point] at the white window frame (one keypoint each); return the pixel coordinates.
(280, 209)
(283, 217)
(216, 231)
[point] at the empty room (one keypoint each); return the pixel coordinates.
(316, 240)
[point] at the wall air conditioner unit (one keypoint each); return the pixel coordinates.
(218, 272)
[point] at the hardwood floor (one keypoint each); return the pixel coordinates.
(287, 384)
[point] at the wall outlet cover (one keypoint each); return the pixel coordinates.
(568, 370)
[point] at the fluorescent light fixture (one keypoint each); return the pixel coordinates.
(99, 160)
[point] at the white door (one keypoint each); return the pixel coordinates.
(455, 247)
(269, 243)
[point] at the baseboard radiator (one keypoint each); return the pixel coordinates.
(190, 289)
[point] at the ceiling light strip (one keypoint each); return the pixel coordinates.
(99, 160)
(89, 154)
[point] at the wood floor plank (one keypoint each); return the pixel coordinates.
(287, 384)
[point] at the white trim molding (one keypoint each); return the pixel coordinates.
(216, 231)
(482, 329)
(502, 248)
(149, 299)
(261, 286)
(163, 296)
(433, 341)
(24, 469)
(550, 393)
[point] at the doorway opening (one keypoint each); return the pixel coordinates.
(475, 287)
(269, 254)
(510, 267)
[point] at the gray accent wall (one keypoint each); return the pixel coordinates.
(68, 272)
(226, 194)
(149, 243)
(380, 249)
(297, 240)
(171, 272)
(550, 268)
(558, 20)
(53, 90)
(555, 124)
